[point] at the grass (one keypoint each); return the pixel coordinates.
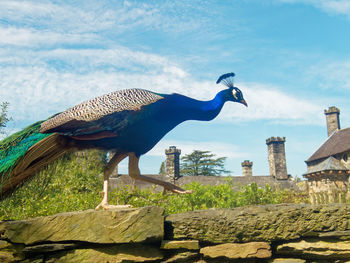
(74, 183)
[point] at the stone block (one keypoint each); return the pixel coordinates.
(180, 244)
(112, 254)
(258, 223)
(10, 252)
(37, 259)
(50, 247)
(183, 256)
(287, 260)
(316, 249)
(342, 235)
(137, 225)
(238, 251)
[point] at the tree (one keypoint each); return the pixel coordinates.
(162, 169)
(202, 163)
(3, 116)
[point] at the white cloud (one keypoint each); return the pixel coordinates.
(40, 83)
(100, 16)
(24, 37)
(61, 17)
(331, 74)
(270, 103)
(221, 149)
(333, 7)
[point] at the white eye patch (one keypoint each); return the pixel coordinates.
(234, 93)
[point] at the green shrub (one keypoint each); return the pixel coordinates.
(74, 183)
(207, 196)
(71, 183)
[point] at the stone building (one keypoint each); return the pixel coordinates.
(276, 158)
(172, 164)
(247, 168)
(328, 168)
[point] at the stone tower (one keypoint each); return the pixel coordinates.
(332, 118)
(172, 166)
(247, 168)
(277, 157)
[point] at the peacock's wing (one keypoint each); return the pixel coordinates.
(101, 114)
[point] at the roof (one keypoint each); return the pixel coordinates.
(338, 142)
(329, 164)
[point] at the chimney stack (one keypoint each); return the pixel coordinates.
(277, 157)
(332, 118)
(247, 168)
(172, 166)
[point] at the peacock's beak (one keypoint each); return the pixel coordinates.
(243, 102)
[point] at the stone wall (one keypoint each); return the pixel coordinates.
(329, 189)
(172, 164)
(272, 233)
(247, 168)
(277, 157)
(237, 181)
(332, 118)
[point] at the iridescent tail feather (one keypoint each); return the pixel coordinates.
(24, 153)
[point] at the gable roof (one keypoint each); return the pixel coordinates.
(329, 164)
(338, 142)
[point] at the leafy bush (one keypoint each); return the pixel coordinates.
(74, 183)
(69, 184)
(207, 196)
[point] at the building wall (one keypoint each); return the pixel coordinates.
(332, 119)
(277, 157)
(237, 181)
(329, 189)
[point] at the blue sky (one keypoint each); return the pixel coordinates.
(291, 59)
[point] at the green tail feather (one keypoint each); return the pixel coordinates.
(15, 146)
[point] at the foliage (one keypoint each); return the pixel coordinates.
(69, 184)
(3, 115)
(162, 169)
(207, 196)
(72, 184)
(202, 163)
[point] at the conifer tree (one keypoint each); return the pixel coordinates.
(3, 116)
(202, 163)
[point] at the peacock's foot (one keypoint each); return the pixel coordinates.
(106, 206)
(175, 189)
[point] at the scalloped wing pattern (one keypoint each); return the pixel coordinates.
(94, 109)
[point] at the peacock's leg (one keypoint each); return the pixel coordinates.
(106, 173)
(134, 173)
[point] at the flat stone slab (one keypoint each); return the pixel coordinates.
(186, 256)
(287, 260)
(137, 225)
(180, 244)
(10, 252)
(120, 253)
(342, 235)
(315, 249)
(258, 223)
(238, 251)
(49, 247)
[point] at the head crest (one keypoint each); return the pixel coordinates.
(226, 79)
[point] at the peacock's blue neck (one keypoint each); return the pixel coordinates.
(204, 110)
(213, 107)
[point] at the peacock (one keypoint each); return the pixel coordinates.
(128, 122)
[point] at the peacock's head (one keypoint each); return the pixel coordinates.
(233, 93)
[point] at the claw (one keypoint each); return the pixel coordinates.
(183, 191)
(106, 206)
(175, 189)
